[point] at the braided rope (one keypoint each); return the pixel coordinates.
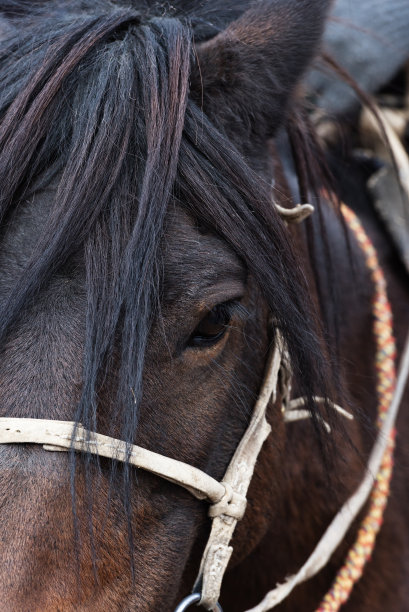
(361, 551)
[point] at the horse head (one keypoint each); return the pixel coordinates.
(144, 269)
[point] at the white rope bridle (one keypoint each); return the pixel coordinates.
(227, 498)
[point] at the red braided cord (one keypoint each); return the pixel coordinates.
(361, 551)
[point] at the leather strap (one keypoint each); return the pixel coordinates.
(238, 475)
(64, 435)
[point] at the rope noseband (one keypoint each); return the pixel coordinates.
(227, 498)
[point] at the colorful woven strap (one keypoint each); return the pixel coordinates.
(385, 358)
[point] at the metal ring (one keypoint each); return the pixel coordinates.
(192, 599)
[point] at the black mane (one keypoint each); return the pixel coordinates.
(95, 98)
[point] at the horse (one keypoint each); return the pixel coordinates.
(145, 271)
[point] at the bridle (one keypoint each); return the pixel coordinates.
(227, 498)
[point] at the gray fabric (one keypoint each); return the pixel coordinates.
(370, 38)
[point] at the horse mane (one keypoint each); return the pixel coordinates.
(96, 101)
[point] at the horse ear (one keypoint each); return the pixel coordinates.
(244, 76)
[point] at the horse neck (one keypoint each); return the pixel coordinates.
(309, 492)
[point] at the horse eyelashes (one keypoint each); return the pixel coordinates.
(215, 324)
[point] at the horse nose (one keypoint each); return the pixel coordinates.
(45, 566)
(36, 527)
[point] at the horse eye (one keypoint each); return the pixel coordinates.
(214, 325)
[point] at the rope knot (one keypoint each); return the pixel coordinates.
(231, 504)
